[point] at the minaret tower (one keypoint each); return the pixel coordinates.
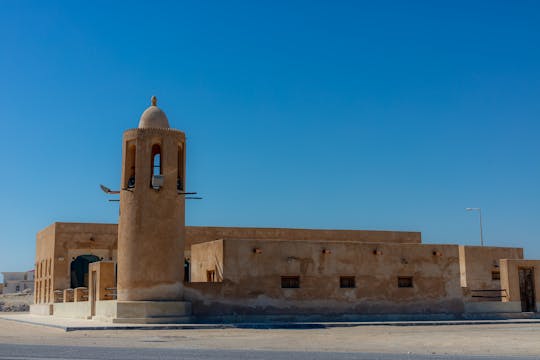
(152, 209)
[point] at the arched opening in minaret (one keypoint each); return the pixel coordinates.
(180, 179)
(130, 165)
(156, 160)
(79, 270)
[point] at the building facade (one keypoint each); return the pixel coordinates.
(16, 282)
(153, 268)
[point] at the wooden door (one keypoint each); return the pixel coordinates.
(526, 289)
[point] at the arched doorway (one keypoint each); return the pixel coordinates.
(79, 270)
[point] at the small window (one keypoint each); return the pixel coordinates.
(405, 282)
(210, 275)
(17, 288)
(495, 275)
(290, 282)
(346, 282)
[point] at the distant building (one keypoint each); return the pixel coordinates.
(15, 282)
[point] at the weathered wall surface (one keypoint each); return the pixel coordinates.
(44, 267)
(206, 257)
(59, 244)
(477, 263)
(252, 281)
(199, 234)
(75, 239)
(104, 273)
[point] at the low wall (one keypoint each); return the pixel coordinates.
(41, 309)
(106, 310)
(76, 310)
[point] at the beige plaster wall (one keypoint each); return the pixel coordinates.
(74, 310)
(478, 262)
(252, 282)
(199, 234)
(44, 265)
(74, 239)
(104, 271)
(60, 243)
(206, 257)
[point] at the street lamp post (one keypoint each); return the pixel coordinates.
(481, 230)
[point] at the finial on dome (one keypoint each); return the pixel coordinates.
(153, 117)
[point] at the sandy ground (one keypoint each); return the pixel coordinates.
(522, 339)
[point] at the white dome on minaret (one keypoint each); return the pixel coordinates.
(153, 117)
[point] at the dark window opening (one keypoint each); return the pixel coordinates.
(179, 184)
(405, 282)
(495, 275)
(130, 165)
(290, 282)
(186, 270)
(180, 170)
(131, 182)
(346, 282)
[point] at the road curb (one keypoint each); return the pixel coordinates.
(269, 325)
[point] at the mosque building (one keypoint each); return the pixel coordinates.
(152, 268)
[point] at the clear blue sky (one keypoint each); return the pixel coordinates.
(346, 115)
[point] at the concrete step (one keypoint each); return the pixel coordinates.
(155, 320)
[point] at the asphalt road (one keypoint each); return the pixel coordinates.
(38, 352)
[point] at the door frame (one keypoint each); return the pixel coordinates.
(528, 299)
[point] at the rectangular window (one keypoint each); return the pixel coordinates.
(405, 281)
(346, 282)
(495, 275)
(290, 282)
